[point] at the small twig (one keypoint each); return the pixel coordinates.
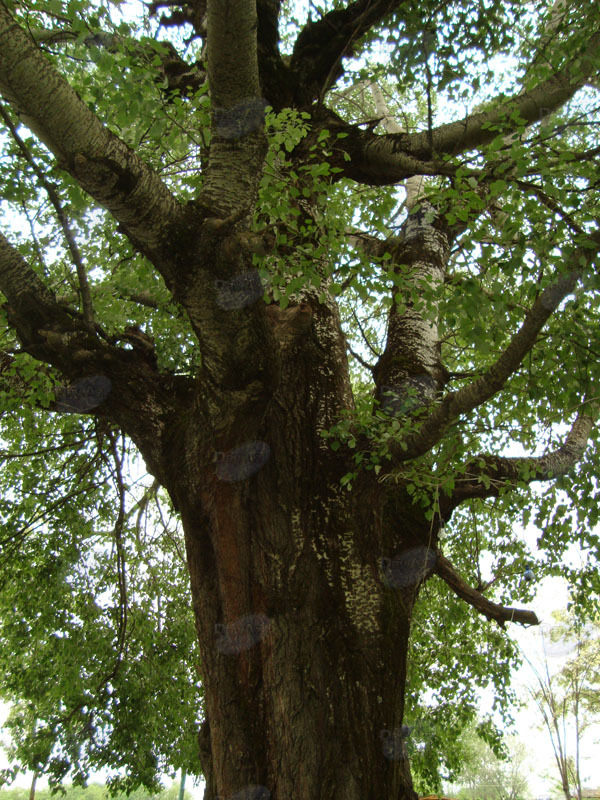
(361, 360)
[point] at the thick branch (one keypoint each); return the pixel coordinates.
(411, 359)
(410, 366)
(234, 83)
(275, 78)
(321, 45)
(141, 298)
(28, 297)
(371, 245)
(414, 186)
(193, 13)
(180, 76)
(105, 166)
(143, 401)
(384, 159)
(474, 598)
(554, 26)
(486, 474)
(468, 398)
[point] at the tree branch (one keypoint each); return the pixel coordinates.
(141, 298)
(371, 245)
(58, 336)
(360, 359)
(493, 379)
(104, 166)
(486, 474)
(234, 83)
(193, 13)
(275, 78)
(531, 105)
(411, 359)
(555, 25)
(180, 75)
(28, 297)
(385, 159)
(365, 338)
(500, 614)
(316, 60)
(51, 191)
(551, 204)
(415, 185)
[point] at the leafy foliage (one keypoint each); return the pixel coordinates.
(484, 774)
(567, 699)
(95, 630)
(94, 791)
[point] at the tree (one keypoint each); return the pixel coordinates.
(567, 700)
(485, 775)
(335, 513)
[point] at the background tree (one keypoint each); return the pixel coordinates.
(568, 699)
(337, 515)
(485, 775)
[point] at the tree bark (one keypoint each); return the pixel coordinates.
(32, 787)
(293, 710)
(308, 697)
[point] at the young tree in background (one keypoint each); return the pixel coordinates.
(568, 700)
(486, 776)
(336, 512)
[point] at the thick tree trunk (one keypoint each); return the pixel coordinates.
(310, 703)
(303, 645)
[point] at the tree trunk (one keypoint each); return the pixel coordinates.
(32, 787)
(302, 588)
(303, 644)
(287, 703)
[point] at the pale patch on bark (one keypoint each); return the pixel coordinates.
(361, 591)
(297, 533)
(326, 562)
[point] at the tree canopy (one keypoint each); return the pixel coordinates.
(427, 177)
